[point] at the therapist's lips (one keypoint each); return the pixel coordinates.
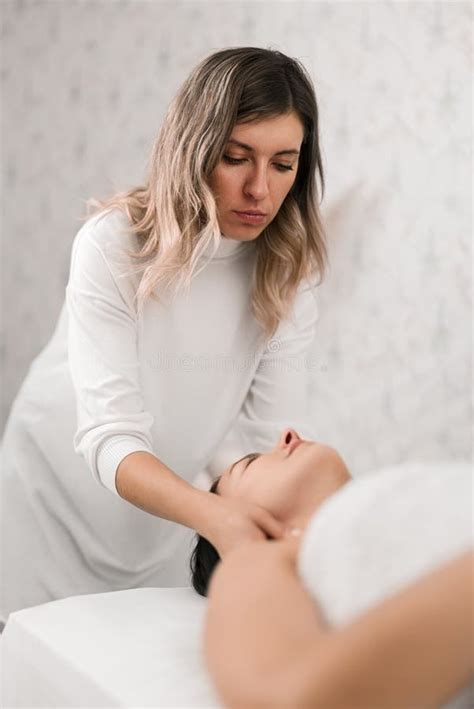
(251, 218)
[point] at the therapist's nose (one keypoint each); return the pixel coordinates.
(288, 435)
(256, 185)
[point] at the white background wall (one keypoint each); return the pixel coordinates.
(85, 85)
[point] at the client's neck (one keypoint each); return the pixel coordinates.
(297, 523)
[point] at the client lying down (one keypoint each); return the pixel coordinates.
(267, 640)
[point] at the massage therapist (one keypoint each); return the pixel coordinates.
(189, 310)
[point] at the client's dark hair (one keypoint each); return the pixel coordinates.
(204, 558)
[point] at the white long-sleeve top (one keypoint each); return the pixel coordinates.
(175, 377)
(180, 380)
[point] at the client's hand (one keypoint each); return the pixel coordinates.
(238, 521)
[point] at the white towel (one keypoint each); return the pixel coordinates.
(383, 531)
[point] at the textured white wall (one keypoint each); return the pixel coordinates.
(85, 85)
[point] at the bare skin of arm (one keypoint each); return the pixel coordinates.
(149, 484)
(146, 482)
(266, 644)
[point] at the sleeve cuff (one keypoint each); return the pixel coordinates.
(110, 455)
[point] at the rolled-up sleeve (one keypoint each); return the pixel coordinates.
(104, 363)
(279, 393)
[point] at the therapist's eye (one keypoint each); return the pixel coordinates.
(238, 161)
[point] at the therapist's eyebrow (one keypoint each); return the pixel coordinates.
(249, 147)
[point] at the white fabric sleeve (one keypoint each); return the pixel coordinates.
(103, 360)
(279, 393)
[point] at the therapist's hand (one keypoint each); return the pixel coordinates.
(237, 522)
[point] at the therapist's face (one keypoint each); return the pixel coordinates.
(257, 177)
(290, 481)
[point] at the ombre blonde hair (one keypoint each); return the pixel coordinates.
(174, 215)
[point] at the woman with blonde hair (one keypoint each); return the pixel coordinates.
(188, 314)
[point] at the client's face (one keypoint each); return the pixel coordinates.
(290, 481)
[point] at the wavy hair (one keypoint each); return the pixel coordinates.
(174, 215)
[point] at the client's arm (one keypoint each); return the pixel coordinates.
(266, 644)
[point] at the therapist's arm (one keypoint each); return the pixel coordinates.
(142, 479)
(149, 484)
(266, 644)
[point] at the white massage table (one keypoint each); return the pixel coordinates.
(142, 648)
(134, 648)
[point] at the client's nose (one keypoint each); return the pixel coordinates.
(287, 436)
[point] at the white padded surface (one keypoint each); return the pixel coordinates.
(134, 648)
